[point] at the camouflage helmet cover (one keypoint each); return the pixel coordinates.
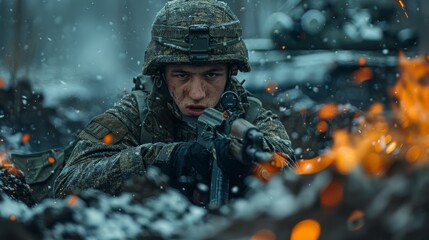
(195, 31)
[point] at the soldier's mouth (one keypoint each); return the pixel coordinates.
(195, 110)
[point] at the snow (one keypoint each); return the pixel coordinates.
(11, 207)
(83, 55)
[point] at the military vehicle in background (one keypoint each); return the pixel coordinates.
(339, 51)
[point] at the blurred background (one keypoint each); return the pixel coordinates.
(64, 61)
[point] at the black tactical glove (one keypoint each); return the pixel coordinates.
(191, 164)
(229, 165)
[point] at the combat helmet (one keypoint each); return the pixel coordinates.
(195, 32)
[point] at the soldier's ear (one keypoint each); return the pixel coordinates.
(233, 69)
(162, 76)
(157, 80)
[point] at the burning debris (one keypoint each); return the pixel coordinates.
(14, 187)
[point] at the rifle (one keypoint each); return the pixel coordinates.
(247, 145)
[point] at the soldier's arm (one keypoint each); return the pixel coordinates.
(109, 152)
(274, 133)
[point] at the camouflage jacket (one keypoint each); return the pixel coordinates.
(110, 150)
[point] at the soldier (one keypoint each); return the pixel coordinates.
(195, 51)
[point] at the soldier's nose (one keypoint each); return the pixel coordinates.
(197, 90)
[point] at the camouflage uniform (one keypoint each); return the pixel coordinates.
(94, 164)
(97, 163)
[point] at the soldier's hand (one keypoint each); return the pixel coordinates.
(191, 163)
(228, 162)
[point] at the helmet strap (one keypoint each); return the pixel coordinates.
(232, 71)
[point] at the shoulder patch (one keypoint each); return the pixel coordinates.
(104, 128)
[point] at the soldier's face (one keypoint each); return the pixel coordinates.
(195, 88)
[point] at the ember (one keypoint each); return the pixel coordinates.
(356, 220)
(5, 164)
(403, 7)
(51, 160)
(264, 235)
(308, 229)
(271, 87)
(25, 138)
(108, 138)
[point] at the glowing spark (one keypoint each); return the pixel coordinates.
(264, 234)
(362, 75)
(361, 61)
(72, 200)
(307, 229)
(264, 171)
(51, 160)
(328, 111)
(403, 7)
(25, 138)
(391, 147)
(413, 154)
(322, 126)
(332, 195)
(376, 109)
(271, 87)
(4, 163)
(108, 139)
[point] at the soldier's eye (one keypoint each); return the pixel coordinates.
(181, 75)
(212, 75)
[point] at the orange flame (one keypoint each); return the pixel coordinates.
(51, 160)
(356, 220)
(376, 109)
(322, 126)
(413, 153)
(308, 229)
(412, 92)
(314, 165)
(264, 234)
(377, 141)
(271, 87)
(108, 139)
(2, 83)
(5, 163)
(25, 138)
(362, 75)
(72, 200)
(328, 111)
(332, 195)
(265, 171)
(361, 61)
